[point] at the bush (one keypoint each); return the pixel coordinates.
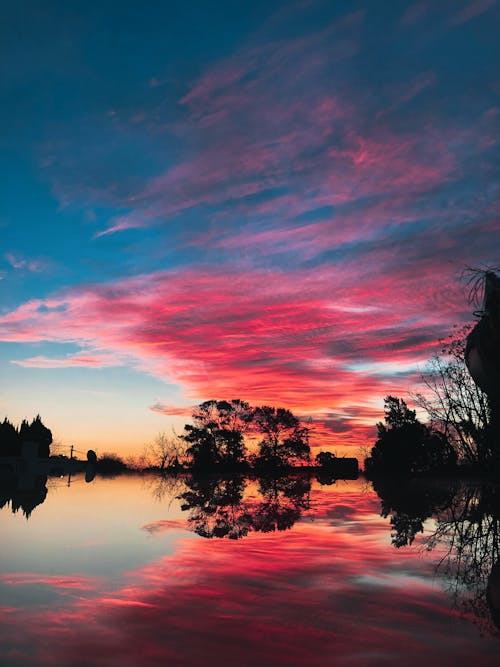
(406, 446)
(111, 464)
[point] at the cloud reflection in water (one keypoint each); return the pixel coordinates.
(329, 590)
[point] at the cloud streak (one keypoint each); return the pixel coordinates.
(317, 340)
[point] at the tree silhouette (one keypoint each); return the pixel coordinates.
(11, 439)
(166, 452)
(10, 442)
(405, 445)
(285, 441)
(325, 459)
(456, 406)
(39, 433)
(218, 508)
(216, 436)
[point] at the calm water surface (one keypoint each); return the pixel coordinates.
(134, 571)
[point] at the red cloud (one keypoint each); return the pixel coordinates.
(314, 340)
(174, 410)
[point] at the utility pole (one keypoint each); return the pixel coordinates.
(70, 458)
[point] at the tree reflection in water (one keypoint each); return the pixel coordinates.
(23, 493)
(216, 507)
(220, 507)
(466, 530)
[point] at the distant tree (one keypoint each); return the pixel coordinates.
(285, 440)
(216, 436)
(405, 445)
(166, 451)
(10, 443)
(110, 464)
(37, 432)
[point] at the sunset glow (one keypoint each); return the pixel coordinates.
(266, 201)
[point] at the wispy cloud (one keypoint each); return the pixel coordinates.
(21, 263)
(221, 332)
(91, 360)
(471, 10)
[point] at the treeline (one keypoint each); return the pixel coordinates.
(233, 436)
(219, 434)
(12, 437)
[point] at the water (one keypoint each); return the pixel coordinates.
(132, 571)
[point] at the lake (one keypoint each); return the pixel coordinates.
(137, 570)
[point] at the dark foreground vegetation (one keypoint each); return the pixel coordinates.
(461, 436)
(34, 435)
(233, 437)
(225, 437)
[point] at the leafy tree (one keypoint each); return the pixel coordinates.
(216, 436)
(326, 461)
(405, 445)
(110, 464)
(235, 415)
(285, 441)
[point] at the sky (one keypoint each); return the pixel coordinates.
(271, 201)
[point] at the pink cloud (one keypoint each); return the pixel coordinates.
(172, 410)
(314, 340)
(84, 360)
(21, 263)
